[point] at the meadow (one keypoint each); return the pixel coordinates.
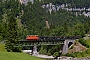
(17, 56)
(4, 55)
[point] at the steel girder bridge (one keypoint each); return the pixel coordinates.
(55, 40)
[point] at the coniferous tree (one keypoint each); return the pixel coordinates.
(12, 38)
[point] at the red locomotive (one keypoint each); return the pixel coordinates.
(32, 37)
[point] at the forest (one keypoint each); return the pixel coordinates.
(18, 20)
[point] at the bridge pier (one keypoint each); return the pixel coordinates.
(34, 52)
(65, 46)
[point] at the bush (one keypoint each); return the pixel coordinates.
(83, 54)
(83, 42)
(49, 54)
(87, 51)
(56, 54)
(43, 50)
(76, 54)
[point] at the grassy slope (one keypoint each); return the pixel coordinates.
(16, 56)
(2, 48)
(88, 41)
(4, 55)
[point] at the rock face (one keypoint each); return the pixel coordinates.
(77, 48)
(26, 1)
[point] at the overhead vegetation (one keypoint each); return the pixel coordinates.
(84, 42)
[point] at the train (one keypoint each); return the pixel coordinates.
(36, 37)
(32, 37)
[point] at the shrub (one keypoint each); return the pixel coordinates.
(83, 42)
(87, 51)
(56, 54)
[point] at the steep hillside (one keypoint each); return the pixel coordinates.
(31, 19)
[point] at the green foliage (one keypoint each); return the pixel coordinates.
(83, 42)
(59, 31)
(32, 22)
(56, 54)
(88, 42)
(79, 30)
(68, 54)
(88, 51)
(12, 38)
(50, 50)
(32, 18)
(79, 54)
(43, 50)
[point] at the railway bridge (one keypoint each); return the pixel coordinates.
(43, 40)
